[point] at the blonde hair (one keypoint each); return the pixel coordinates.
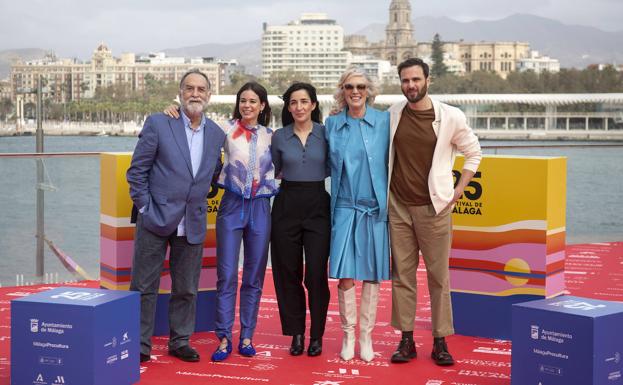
(340, 102)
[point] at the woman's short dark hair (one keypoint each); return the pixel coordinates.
(260, 91)
(286, 115)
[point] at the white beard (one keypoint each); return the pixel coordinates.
(194, 108)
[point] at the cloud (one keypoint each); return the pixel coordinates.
(75, 27)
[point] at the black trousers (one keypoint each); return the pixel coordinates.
(301, 221)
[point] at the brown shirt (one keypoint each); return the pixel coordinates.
(414, 142)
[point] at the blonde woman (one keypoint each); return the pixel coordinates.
(358, 139)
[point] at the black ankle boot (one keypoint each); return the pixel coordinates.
(315, 347)
(440, 353)
(405, 352)
(298, 345)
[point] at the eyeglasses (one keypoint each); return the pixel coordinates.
(350, 87)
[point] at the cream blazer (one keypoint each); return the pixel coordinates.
(453, 134)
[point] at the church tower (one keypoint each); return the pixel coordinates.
(399, 41)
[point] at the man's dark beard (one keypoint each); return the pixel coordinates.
(420, 95)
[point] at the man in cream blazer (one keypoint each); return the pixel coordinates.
(424, 137)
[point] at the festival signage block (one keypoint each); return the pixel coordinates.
(117, 244)
(71, 335)
(508, 242)
(567, 340)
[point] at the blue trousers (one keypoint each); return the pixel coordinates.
(246, 220)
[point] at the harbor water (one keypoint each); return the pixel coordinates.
(72, 198)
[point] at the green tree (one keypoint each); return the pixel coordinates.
(448, 84)
(389, 88)
(439, 68)
(237, 80)
(525, 82)
(484, 82)
(279, 81)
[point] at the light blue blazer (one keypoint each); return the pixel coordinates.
(377, 149)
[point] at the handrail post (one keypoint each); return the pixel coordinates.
(40, 267)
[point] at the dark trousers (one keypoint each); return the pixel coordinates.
(185, 267)
(301, 222)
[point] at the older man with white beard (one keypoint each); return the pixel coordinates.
(424, 137)
(170, 177)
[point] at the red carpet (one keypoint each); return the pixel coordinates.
(594, 270)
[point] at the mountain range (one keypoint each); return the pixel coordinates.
(574, 45)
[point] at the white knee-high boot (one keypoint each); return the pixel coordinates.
(348, 315)
(367, 319)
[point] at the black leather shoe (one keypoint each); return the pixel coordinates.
(405, 351)
(185, 353)
(298, 345)
(315, 347)
(440, 353)
(145, 357)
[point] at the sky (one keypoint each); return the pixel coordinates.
(73, 28)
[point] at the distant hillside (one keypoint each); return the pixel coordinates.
(249, 54)
(574, 45)
(7, 56)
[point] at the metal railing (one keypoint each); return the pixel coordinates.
(70, 183)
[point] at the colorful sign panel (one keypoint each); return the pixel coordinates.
(508, 240)
(117, 244)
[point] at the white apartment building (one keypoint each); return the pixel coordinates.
(379, 70)
(537, 63)
(453, 65)
(311, 46)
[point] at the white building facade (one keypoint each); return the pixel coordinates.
(537, 63)
(379, 70)
(311, 46)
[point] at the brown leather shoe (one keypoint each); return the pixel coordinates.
(440, 353)
(405, 351)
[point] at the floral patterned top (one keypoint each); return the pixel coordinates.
(248, 169)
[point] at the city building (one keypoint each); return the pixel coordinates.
(460, 57)
(68, 80)
(5, 89)
(602, 66)
(537, 63)
(399, 43)
(499, 57)
(312, 45)
(451, 56)
(379, 70)
(227, 69)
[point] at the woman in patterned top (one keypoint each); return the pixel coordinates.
(248, 177)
